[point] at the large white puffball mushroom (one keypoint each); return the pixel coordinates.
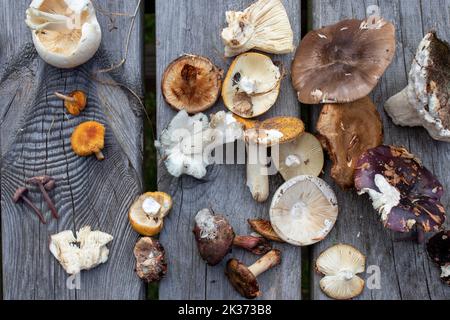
(65, 33)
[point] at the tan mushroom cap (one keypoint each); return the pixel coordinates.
(88, 138)
(303, 210)
(191, 83)
(343, 62)
(347, 131)
(340, 265)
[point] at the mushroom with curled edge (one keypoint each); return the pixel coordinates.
(426, 100)
(89, 138)
(342, 62)
(244, 279)
(438, 248)
(346, 131)
(215, 237)
(75, 102)
(402, 190)
(21, 194)
(151, 265)
(264, 228)
(191, 83)
(340, 266)
(303, 210)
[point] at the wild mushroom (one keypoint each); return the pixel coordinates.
(340, 266)
(215, 238)
(21, 194)
(88, 138)
(75, 102)
(83, 252)
(343, 62)
(150, 257)
(191, 83)
(438, 248)
(425, 101)
(303, 210)
(264, 228)
(302, 156)
(147, 213)
(402, 190)
(252, 85)
(262, 26)
(41, 182)
(346, 132)
(65, 33)
(186, 144)
(243, 278)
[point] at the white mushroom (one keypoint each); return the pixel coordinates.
(340, 265)
(66, 33)
(425, 101)
(83, 252)
(263, 26)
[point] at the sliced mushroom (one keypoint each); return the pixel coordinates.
(191, 83)
(89, 138)
(343, 62)
(347, 131)
(151, 265)
(340, 266)
(303, 210)
(438, 248)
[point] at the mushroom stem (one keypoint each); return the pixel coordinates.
(35, 209)
(49, 201)
(256, 245)
(401, 111)
(64, 97)
(257, 174)
(100, 155)
(270, 260)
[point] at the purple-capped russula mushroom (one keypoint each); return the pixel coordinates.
(438, 248)
(405, 193)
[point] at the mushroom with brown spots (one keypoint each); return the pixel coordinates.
(21, 194)
(88, 138)
(438, 248)
(75, 102)
(150, 257)
(45, 183)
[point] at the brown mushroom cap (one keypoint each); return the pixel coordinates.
(88, 138)
(343, 62)
(346, 132)
(151, 265)
(264, 228)
(191, 83)
(242, 279)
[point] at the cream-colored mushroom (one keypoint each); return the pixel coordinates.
(66, 33)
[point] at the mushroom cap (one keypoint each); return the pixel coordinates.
(302, 156)
(150, 257)
(340, 265)
(402, 190)
(242, 279)
(21, 191)
(273, 131)
(438, 248)
(75, 108)
(39, 180)
(303, 210)
(347, 131)
(88, 138)
(214, 236)
(343, 62)
(264, 228)
(251, 85)
(192, 83)
(147, 213)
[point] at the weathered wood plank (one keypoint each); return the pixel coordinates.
(35, 140)
(406, 272)
(194, 27)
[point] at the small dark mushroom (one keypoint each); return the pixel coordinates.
(151, 264)
(264, 228)
(438, 248)
(20, 194)
(41, 181)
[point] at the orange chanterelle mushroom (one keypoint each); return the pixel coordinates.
(88, 138)
(75, 102)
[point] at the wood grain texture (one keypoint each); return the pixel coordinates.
(35, 140)
(406, 272)
(194, 27)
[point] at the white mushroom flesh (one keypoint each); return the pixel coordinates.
(445, 271)
(151, 206)
(208, 227)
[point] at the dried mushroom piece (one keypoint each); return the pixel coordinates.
(89, 138)
(191, 83)
(262, 26)
(150, 257)
(402, 190)
(438, 248)
(347, 131)
(340, 266)
(342, 62)
(426, 100)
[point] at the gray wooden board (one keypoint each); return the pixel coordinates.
(35, 140)
(194, 27)
(406, 272)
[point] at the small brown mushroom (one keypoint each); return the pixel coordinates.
(20, 194)
(88, 138)
(243, 278)
(151, 264)
(264, 228)
(41, 181)
(346, 132)
(75, 102)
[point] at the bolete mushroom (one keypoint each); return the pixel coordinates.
(147, 213)
(150, 257)
(252, 85)
(244, 279)
(264, 228)
(426, 100)
(340, 266)
(438, 248)
(75, 102)
(342, 62)
(88, 138)
(215, 237)
(191, 83)
(346, 132)
(66, 33)
(21, 194)
(402, 190)
(303, 210)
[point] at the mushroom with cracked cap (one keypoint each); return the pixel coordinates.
(151, 265)
(89, 138)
